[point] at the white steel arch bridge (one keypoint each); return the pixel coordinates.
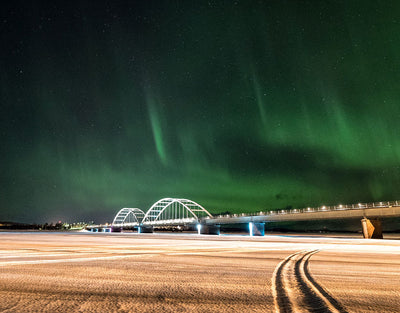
(167, 211)
(128, 217)
(173, 211)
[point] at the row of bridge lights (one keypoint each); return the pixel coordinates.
(340, 206)
(323, 208)
(309, 209)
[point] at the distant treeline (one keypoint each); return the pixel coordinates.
(45, 226)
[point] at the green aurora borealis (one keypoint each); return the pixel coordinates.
(238, 105)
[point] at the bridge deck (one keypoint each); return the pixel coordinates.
(292, 215)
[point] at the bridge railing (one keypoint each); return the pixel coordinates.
(340, 207)
(187, 220)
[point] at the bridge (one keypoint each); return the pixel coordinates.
(165, 212)
(169, 212)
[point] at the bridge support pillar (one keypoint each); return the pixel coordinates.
(210, 229)
(256, 229)
(145, 229)
(372, 228)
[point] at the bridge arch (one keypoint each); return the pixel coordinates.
(128, 217)
(173, 210)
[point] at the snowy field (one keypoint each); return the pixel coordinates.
(111, 272)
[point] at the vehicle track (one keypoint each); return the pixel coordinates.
(295, 290)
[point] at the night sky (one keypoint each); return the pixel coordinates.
(238, 105)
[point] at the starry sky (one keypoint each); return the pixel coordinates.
(240, 106)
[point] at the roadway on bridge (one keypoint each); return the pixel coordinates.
(78, 272)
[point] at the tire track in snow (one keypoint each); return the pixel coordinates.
(295, 290)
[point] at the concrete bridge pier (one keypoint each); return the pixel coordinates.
(209, 229)
(256, 229)
(145, 229)
(372, 228)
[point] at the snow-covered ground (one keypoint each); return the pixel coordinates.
(111, 272)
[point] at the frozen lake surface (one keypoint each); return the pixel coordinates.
(111, 272)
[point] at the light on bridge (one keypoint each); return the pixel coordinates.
(199, 229)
